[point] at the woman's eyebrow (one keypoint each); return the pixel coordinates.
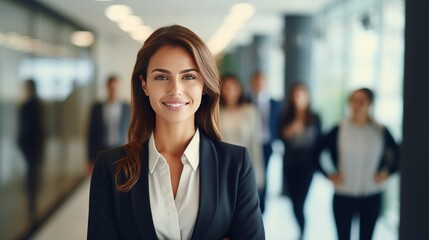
(189, 70)
(168, 72)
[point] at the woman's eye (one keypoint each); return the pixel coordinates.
(161, 77)
(189, 77)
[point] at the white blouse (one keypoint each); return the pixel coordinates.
(242, 126)
(360, 151)
(174, 218)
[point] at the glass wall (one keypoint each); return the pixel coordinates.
(360, 43)
(42, 139)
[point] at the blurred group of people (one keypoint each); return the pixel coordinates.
(363, 152)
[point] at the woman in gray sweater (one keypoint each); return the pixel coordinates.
(364, 154)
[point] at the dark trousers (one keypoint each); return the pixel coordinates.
(268, 150)
(346, 208)
(298, 180)
(32, 184)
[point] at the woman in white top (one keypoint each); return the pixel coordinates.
(240, 123)
(174, 179)
(365, 155)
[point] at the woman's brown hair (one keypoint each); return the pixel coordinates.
(142, 124)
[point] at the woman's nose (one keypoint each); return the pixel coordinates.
(175, 87)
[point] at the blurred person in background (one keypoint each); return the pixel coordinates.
(109, 121)
(300, 131)
(268, 111)
(31, 142)
(364, 154)
(240, 124)
(174, 179)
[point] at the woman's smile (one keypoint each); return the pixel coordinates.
(175, 105)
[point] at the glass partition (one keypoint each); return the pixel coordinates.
(42, 139)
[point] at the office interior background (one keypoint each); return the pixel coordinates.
(70, 47)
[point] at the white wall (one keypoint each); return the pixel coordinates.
(115, 55)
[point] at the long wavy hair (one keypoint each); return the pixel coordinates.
(142, 123)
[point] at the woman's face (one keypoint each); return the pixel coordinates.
(230, 91)
(359, 104)
(300, 98)
(174, 85)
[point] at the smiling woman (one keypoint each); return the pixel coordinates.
(174, 179)
(173, 84)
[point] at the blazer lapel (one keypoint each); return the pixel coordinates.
(209, 180)
(141, 202)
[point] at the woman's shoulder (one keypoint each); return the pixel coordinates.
(230, 153)
(110, 156)
(227, 147)
(249, 108)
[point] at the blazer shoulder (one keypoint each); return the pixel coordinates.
(228, 147)
(230, 153)
(110, 156)
(97, 104)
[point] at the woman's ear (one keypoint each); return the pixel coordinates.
(143, 83)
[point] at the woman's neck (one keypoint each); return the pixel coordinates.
(232, 105)
(173, 138)
(360, 120)
(300, 114)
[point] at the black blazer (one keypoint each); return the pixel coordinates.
(97, 128)
(228, 208)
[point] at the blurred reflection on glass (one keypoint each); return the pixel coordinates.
(364, 154)
(109, 122)
(240, 124)
(30, 141)
(300, 132)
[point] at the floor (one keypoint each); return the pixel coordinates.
(71, 221)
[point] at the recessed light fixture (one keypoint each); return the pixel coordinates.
(141, 33)
(238, 15)
(132, 24)
(82, 38)
(129, 23)
(117, 13)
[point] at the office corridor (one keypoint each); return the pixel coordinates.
(70, 221)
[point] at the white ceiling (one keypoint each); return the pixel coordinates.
(201, 16)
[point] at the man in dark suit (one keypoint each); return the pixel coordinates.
(109, 122)
(31, 143)
(268, 109)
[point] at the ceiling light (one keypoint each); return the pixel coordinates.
(238, 15)
(82, 38)
(132, 20)
(246, 10)
(117, 12)
(129, 23)
(141, 33)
